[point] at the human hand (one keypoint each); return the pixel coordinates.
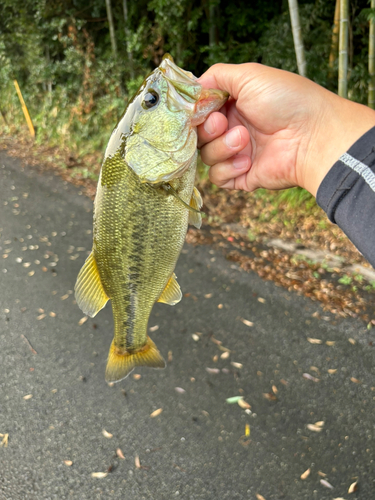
(278, 130)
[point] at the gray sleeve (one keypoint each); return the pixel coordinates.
(347, 194)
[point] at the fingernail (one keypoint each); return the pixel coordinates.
(240, 161)
(233, 138)
(209, 126)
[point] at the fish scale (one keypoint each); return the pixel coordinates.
(145, 199)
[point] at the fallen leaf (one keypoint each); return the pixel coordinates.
(216, 341)
(4, 441)
(234, 399)
(107, 434)
(68, 462)
(314, 341)
(236, 365)
(243, 404)
(353, 487)
(119, 453)
(310, 377)
(306, 474)
(314, 428)
(83, 320)
(212, 371)
(270, 396)
(325, 483)
(247, 322)
(156, 413)
(29, 396)
(99, 475)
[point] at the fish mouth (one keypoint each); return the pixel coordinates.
(209, 100)
(186, 92)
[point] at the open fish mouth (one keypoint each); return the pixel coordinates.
(185, 91)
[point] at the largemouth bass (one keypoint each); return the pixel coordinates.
(144, 201)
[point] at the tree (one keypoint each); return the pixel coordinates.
(335, 37)
(371, 59)
(297, 37)
(111, 28)
(343, 48)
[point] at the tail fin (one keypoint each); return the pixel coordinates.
(120, 364)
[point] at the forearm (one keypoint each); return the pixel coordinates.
(338, 125)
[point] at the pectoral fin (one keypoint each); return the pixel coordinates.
(172, 292)
(121, 363)
(89, 291)
(195, 217)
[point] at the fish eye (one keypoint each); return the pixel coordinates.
(151, 99)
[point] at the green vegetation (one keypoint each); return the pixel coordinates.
(76, 78)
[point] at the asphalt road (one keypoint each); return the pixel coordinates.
(197, 447)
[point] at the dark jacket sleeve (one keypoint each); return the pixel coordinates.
(347, 194)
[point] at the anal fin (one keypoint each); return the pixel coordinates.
(121, 363)
(172, 292)
(195, 218)
(89, 291)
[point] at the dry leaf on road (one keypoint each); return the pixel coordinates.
(306, 474)
(353, 487)
(325, 483)
(314, 341)
(156, 413)
(99, 475)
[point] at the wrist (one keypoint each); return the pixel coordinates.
(340, 124)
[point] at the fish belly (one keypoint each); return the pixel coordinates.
(139, 231)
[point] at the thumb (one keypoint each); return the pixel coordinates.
(228, 77)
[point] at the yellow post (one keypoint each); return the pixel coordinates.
(25, 111)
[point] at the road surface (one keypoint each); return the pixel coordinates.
(312, 404)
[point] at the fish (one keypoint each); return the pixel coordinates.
(144, 201)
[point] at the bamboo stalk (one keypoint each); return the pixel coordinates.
(343, 48)
(111, 28)
(371, 61)
(25, 110)
(297, 37)
(335, 37)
